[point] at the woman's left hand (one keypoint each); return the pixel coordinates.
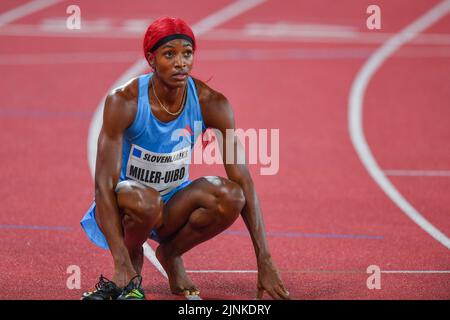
(269, 280)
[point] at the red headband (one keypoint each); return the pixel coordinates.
(164, 30)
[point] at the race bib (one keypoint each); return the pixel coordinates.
(161, 171)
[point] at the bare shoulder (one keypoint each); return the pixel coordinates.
(207, 95)
(216, 109)
(121, 105)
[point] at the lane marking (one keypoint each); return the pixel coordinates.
(416, 271)
(225, 14)
(355, 115)
(305, 235)
(322, 37)
(417, 173)
(24, 10)
(151, 256)
(25, 113)
(211, 21)
(319, 36)
(25, 227)
(221, 271)
(328, 271)
(68, 57)
(277, 54)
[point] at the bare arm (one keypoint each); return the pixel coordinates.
(222, 118)
(118, 115)
(217, 113)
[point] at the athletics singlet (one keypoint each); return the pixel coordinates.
(156, 154)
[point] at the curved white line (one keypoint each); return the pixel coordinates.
(24, 10)
(97, 119)
(356, 115)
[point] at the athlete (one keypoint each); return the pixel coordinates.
(142, 186)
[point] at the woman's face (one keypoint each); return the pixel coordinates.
(173, 62)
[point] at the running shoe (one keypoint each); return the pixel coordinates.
(104, 290)
(134, 290)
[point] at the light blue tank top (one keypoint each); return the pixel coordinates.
(155, 153)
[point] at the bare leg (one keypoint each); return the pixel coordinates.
(142, 211)
(195, 214)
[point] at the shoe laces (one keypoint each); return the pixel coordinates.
(102, 283)
(134, 285)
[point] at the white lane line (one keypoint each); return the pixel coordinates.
(417, 173)
(221, 271)
(355, 115)
(24, 10)
(112, 32)
(417, 271)
(227, 13)
(217, 55)
(327, 271)
(151, 256)
(66, 58)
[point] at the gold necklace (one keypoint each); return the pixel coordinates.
(165, 109)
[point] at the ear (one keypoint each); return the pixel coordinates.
(151, 61)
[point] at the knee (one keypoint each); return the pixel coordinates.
(140, 203)
(230, 201)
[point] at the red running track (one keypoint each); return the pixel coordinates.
(326, 218)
